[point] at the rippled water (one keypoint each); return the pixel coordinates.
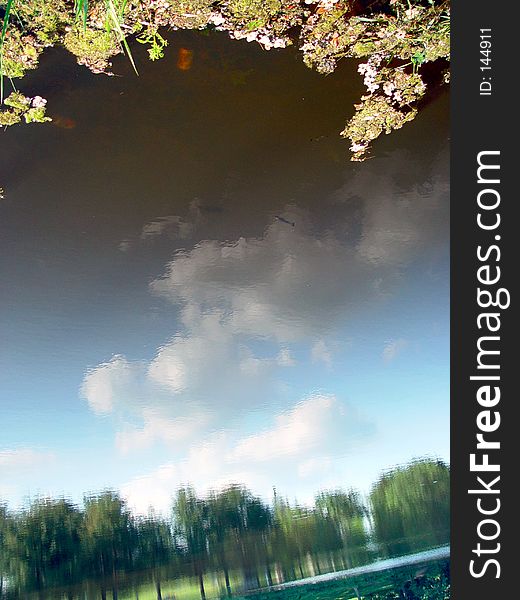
(199, 287)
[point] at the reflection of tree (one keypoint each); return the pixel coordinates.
(191, 522)
(411, 507)
(346, 511)
(56, 549)
(238, 527)
(109, 538)
(41, 545)
(4, 535)
(302, 533)
(155, 547)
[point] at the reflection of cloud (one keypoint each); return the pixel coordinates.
(393, 348)
(157, 427)
(172, 225)
(192, 381)
(284, 286)
(313, 466)
(311, 426)
(299, 445)
(12, 461)
(246, 307)
(320, 353)
(7, 490)
(285, 358)
(103, 386)
(125, 246)
(397, 220)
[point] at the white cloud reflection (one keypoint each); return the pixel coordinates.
(247, 311)
(393, 348)
(299, 445)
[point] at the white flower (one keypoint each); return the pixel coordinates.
(388, 88)
(38, 102)
(411, 13)
(216, 19)
(327, 4)
(358, 147)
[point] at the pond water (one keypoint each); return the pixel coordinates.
(199, 288)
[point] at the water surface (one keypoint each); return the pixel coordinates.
(199, 287)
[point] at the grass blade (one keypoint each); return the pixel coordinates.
(117, 26)
(5, 25)
(81, 11)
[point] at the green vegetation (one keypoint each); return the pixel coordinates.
(32, 110)
(430, 582)
(395, 38)
(226, 543)
(406, 496)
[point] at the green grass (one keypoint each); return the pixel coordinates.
(81, 10)
(432, 585)
(185, 588)
(113, 22)
(5, 25)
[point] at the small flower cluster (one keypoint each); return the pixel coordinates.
(18, 106)
(369, 70)
(392, 92)
(38, 102)
(325, 4)
(359, 148)
(262, 36)
(217, 20)
(328, 4)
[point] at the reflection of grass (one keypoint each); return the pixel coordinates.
(184, 589)
(422, 583)
(428, 583)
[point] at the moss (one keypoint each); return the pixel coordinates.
(250, 11)
(183, 14)
(388, 109)
(375, 115)
(9, 117)
(20, 53)
(403, 38)
(337, 33)
(17, 101)
(363, 48)
(93, 48)
(270, 17)
(48, 19)
(19, 107)
(327, 36)
(36, 115)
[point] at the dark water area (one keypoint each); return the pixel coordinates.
(198, 288)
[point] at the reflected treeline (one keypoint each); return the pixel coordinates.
(225, 543)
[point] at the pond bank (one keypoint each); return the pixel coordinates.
(393, 39)
(421, 576)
